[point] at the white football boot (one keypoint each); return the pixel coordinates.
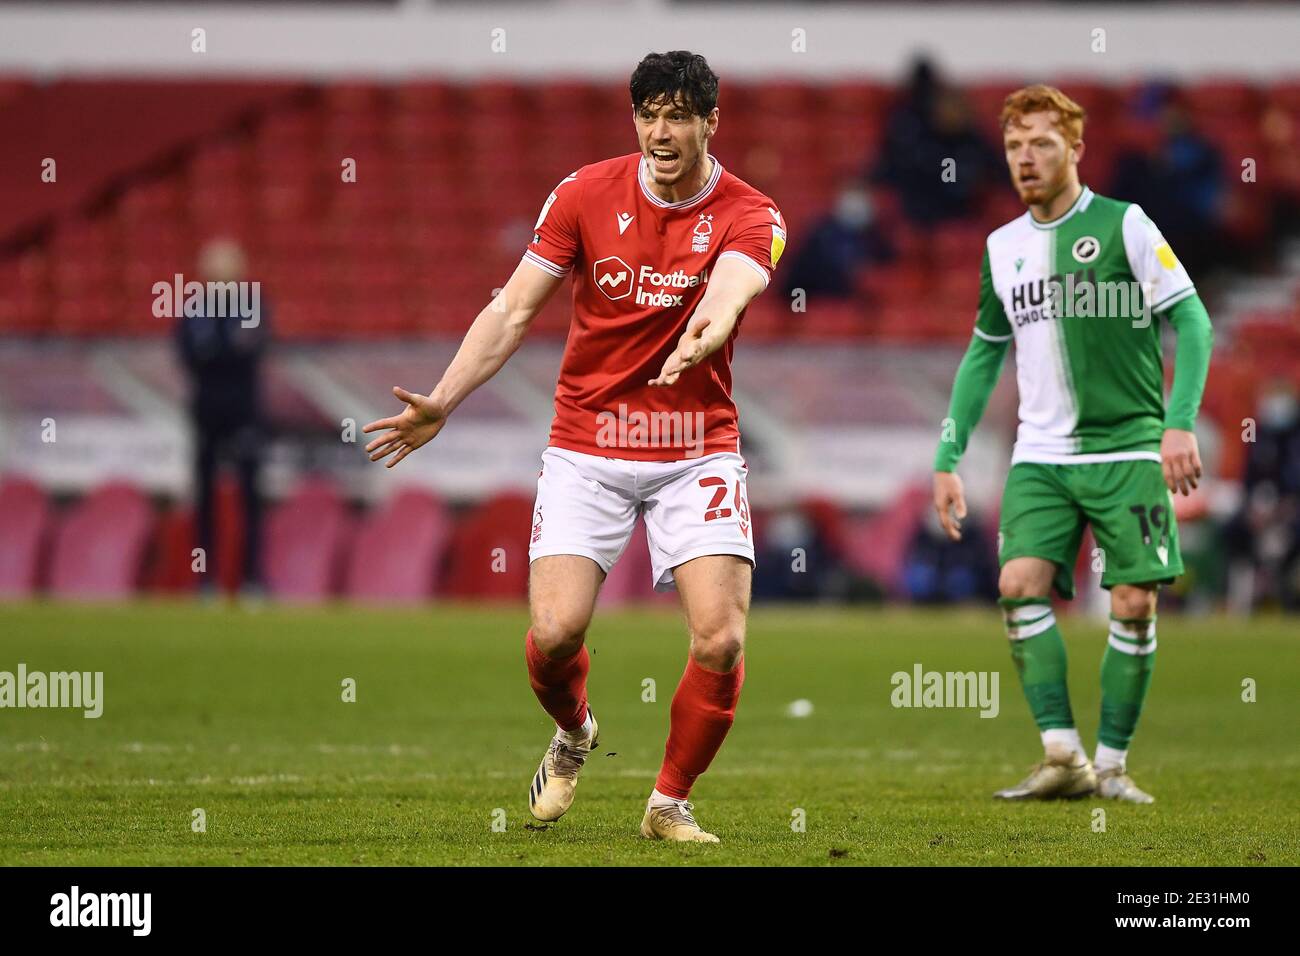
(1064, 773)
(556, 779)
(673, 821)
(1115, 784)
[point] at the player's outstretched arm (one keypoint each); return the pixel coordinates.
(731, 287)
(490, 341)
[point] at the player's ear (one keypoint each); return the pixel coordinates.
(1078, 151)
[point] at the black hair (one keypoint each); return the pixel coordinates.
(678, 76)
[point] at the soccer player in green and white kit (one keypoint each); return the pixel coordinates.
(1081, 283)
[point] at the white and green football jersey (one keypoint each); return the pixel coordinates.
(1081, 296)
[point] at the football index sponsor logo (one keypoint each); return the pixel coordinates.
(666, 280)
(74, 908)
(81, 690)
(923, 688)
(616, 279)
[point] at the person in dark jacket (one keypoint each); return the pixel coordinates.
(223, 353)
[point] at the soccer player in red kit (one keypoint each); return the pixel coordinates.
(666, 249)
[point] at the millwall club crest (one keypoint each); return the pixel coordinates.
(700, 235)
(1085, 249)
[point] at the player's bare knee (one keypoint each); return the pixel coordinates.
(1133, 602)
(1013, 583)
(557, 634)
(719, 648)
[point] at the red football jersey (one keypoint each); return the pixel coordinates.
(640, 267)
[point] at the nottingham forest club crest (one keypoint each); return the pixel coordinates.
(700, 235)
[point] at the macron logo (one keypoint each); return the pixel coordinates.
(624, 220)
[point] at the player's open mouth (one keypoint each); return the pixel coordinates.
(663, 158)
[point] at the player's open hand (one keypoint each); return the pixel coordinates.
(949, 502)
(692, 348)
(1180, 460)
(422, 419)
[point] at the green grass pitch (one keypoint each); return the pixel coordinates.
(241, 715)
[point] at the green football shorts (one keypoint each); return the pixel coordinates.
(1045, 509)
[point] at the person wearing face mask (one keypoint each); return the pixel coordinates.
(844, 242)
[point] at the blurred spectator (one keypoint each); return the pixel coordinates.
(793, 562)
(1177, 179)
(1263, 538)
(223, 358)
(1280, 132)
(930, 125)
(939, 571)
(841, 244)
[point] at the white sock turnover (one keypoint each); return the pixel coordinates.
(577, 738)
(1108, 758)
(1066, 736)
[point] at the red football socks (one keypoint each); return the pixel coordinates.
(560, 683)
(702, 712)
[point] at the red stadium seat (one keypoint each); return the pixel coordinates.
(560, 98)
(354, 96)
(24, 299)
(865, 101)
(427, 97)
(1222, 97)
(497, 98)
(306, 537)
(171, 566)
(170, 569)
(100, 546)
(399, 549)
(488, 556)
(24, 529)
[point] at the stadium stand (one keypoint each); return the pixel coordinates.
(414, 247)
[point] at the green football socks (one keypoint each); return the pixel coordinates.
(1039, 655)
(1126, 671)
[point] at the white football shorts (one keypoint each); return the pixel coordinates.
(588, 505)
